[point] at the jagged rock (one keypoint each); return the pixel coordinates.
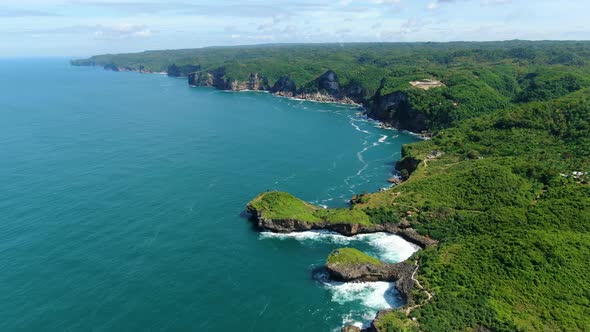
(254, 82)
(351, 328)
(111, 66)
(200, 79)
(408, 164)
(347, 229)
(395, 180)
(362, 268)
(329, 83)
(394, 109)
(284, 85)
(355, 91)
(215, 78)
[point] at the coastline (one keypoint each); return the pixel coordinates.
(405, 281)
(408, 234)
(316, 97)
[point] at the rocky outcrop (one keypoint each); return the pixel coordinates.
(347, 229)
(328, 83)
(254, 82)
(351, 328)
(181, 71)
(284, 86)
(351, 265)
(394, 109)
(408, 164)
(217, 78)
(200, 79)
(327, 88)
(411, 235)
(111, 66)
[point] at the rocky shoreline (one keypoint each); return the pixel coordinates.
(384, 108)
(391, 109)
(401, 273)
(347, 229)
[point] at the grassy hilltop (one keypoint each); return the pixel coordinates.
(503, 184)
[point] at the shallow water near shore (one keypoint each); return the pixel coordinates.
(121, 200)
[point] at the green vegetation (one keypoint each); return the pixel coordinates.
(503, 184)
(396, 321)
(351, 256)
(479, 78)
(513, 223)
(281, 205)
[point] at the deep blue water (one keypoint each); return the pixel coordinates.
(121, 196)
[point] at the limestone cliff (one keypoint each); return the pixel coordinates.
(394, 109)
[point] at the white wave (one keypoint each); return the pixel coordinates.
(367, 297)
(319, 235)
(376, 295)
(357, 127)
(349, 319)
(387, 247)
(382, 139)
(390, 248)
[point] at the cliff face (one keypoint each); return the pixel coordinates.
(181, 71)
(392, 109)
(395, 110)
(400, 273)
(254, 82)
(348, 229)
(284, 86)
(217, 78)
(408, 164)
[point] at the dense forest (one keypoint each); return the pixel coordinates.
(503, 183)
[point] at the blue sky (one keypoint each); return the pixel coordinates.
(86, 27)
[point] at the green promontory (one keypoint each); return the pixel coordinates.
(351, 256)
(278, 205)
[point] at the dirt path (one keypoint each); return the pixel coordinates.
(410, 309)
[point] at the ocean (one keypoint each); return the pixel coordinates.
(122, 193)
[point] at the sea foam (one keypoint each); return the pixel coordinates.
(387, 247)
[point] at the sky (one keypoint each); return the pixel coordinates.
(89, 27)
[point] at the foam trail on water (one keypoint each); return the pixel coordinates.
(390, 248)
(382, 139)
(352, 120)
(364, 298)
(319, 235)
(368, 298)
(387, 247)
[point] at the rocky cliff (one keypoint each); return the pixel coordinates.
(348, 229)
(394, 109)
(352, 265)
(327, 87)
(284, 86)
(217, 78)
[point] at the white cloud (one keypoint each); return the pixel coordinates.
(432, 5)
(386, 2)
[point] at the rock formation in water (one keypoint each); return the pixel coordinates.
(348, 229)
(352, 265)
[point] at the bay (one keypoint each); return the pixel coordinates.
(122, 193)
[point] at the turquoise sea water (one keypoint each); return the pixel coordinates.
(121, 196)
